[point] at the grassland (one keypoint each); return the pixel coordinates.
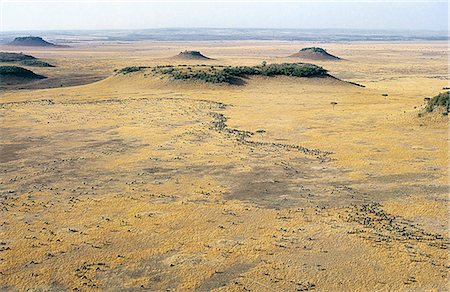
(142, 182)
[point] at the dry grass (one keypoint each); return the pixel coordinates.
(136, 182)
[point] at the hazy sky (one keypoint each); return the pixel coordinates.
(43, 15)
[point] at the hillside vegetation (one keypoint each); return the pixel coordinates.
(14, 57)
(15, 71)
(314, 49)
(36, 63)
(230, 74)
(131, 69)
(439, 101)
(26, 60)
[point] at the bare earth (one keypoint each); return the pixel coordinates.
(136, 182)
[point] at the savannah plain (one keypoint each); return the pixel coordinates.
(137, 182)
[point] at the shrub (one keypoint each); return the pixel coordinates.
(440, 100)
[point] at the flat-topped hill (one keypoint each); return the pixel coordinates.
(192, 55)
(26, 60)
(315, 53)
(32, 41)
(14, 75)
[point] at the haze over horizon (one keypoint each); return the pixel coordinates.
(103, 15)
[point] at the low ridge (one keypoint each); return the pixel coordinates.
(26, 60)
(14, 57)
(14, 75)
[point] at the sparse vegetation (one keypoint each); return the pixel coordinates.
(440, 100)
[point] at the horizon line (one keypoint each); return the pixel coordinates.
(230, 28)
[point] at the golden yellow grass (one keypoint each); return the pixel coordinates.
(135, 182)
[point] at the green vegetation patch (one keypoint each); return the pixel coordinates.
(26, 60)
(234, 75)
(195, 54)
(15, 71)
(131, 69)
(440, 100)
(314, 49)
(14, 57)
(36, 63)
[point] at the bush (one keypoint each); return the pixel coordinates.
(440, 100)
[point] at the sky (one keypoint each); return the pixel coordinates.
(20, 15)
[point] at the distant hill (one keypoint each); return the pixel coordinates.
(26, 60)
(192, 55)
(315, 53)
(15, 75)
(32, 41)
